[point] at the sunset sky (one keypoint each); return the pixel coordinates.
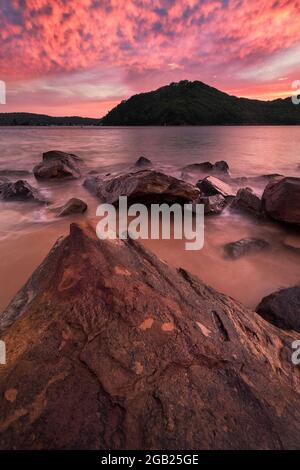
(82, 57)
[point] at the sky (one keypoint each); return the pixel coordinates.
(82, 57)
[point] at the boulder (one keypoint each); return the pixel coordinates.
(19, 191)
(221, 167)
(211, 185)
(246, 200)
(212, 204)
(281, 199)
(58, 165)
(282, 308)
(144, 186)
(110, 348)
(245, 246)
(73, 206)
(143, 162)
(207, 168)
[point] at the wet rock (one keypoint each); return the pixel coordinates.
(245, 246)
(13, 173)
(73, 206)
(247, 200)
(211, 185)
(19, 191)
(213, 204)
(59, 165)
(281, 199)
(207, 168)
(143, 162)
(221, 167)
(144, 186)
(138, 355)
(282, 308)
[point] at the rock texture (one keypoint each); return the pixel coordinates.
(57, 164)
(281, 199)
(245, 246)
(109, 348)
(144, 186)
(247, 200)
(282, 308)
(73, 206)
(211, 185)
(19, 191)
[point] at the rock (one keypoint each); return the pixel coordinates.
(73, 206)
(212, 204)
(19, 191)
(109, 348)
(14, 173)
(245, 246)
(207, 168)
(58, 165)
(246, 201)
(221, 167)
(281, 199)
(211, 185)
(143, 162)
(144, 186)
(282, 308)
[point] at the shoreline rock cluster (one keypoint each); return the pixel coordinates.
(216, 189)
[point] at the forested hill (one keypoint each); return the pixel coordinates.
(194, 103)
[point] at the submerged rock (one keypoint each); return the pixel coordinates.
(245, 246)
(73, 206)
(58, 165)
(144, 186)
(143, 162)
(281, 200)
(211, 185)
(19, 191)
(282, 308)
(109, 348)
(246, 201)
(207, 168)
(213, 204)
(12, 172)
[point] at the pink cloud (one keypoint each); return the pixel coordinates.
(148, 43)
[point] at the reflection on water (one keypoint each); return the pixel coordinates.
(27, 231)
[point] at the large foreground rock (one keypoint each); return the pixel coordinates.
(144, 186)
(281, 199)
(19, 191)
(57, 164)
(109, 348)
(282, 308)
